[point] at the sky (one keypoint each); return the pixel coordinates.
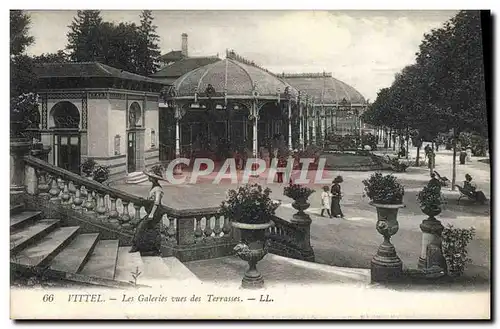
(365, 49)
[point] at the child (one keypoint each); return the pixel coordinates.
(325, 201)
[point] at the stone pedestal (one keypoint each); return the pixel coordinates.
(386, 266)
(431, 262)
(18, 149)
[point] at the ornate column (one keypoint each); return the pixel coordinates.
(289, 104)
(306, 120)
(323, 124)
(254, 116)
(313, 116)
(301, 135)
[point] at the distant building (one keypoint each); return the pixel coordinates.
(177, 63)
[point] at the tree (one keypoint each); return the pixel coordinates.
(119, 46)
(452, 58)
(19, 28)
(58, 57)
(148, 49)
(23, 101)
(84, 37)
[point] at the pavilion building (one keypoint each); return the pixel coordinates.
(91, 110)
(337, 107)
(192, 107)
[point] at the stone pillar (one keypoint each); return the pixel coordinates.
(431, 260)
(185, 230)
(18, 149)
(302, 222)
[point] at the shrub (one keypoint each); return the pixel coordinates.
(249, 204)
(88, 166)
(454, 247)
(431, 197)
(101, 173)
(296, 191)
(384, 189)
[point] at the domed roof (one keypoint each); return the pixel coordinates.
(237, 78)
(324, 88)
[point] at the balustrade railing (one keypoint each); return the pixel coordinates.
(123, 211)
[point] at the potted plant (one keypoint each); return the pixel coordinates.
(454, 246)
(431, 200)
(250, 209)
(386, 194)
(299, 194)
(88, 166)
(100, 173)
(431, 261)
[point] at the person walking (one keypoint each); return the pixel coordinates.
(336, 192)
(325, 201)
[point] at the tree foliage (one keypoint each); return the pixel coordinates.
(444, 89)
(123, 45)
(85, 37)
(23, 102)
(148, 50)
(19, 32)
(58, 57)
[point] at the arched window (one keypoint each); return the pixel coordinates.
(65, 115)
(134, 114)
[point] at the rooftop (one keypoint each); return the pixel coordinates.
(235, 76)
(88, 70)
(323, 87)
(172, 56)
(183, 66)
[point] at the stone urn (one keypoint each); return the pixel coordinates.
(386, 265)
(252, 248)
(431, 261)
(300, 205)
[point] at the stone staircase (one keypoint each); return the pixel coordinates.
(136, 178)
(44, 245)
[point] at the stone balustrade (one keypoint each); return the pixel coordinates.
(188, 234)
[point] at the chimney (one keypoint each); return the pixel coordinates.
(184, 49)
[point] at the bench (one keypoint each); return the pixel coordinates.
(466, 193)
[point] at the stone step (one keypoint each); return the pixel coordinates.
(127, 263)
(135, 174)
(16, 208)
(178, 270)
(137, 180)
(155, 268)
(45, 250)
(156, 273)
(74, 257)
(102, 262)
(23, 218)
(30, 234)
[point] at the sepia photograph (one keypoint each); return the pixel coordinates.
(250, 164)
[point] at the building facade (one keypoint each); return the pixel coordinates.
(91, 110)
